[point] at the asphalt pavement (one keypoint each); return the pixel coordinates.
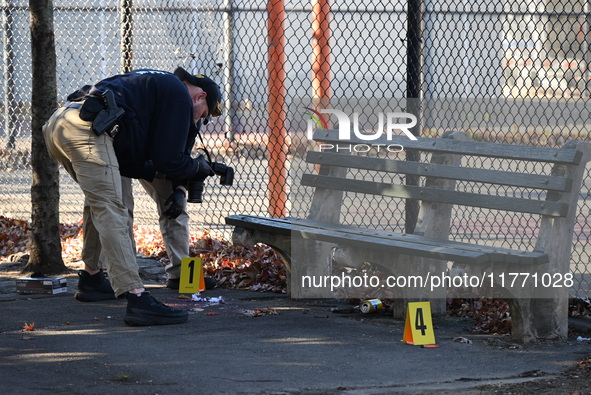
(243, 342)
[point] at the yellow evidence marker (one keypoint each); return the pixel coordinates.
(192, 280)
(418, 329)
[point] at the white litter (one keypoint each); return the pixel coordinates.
(198, 298)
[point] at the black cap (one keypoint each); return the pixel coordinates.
(214, 95)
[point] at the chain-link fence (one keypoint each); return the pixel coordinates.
(516, 71)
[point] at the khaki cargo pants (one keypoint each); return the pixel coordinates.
(91, 161)
(175, 231)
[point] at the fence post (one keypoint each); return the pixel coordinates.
(276, 148)
(10, 118)
(413, 94)
(126, 26)
(230, 116)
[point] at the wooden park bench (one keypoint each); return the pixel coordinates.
(542, 186)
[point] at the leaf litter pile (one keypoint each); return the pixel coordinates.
(255, 269)
(236, 267)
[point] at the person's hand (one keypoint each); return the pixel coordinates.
(176, 201)
(204, 170)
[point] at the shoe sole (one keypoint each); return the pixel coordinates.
(93, 296)
(142, 320)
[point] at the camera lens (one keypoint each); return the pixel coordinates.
(195, 189)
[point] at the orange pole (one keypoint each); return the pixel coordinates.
(321, 57)
(277, 148)
(321, 53)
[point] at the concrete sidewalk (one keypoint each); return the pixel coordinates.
(290, 347)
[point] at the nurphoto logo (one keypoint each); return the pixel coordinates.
(394, 121)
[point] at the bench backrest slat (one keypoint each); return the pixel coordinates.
(533, 181)
(493, 150)
(549, 208)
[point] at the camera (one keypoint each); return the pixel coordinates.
(195, 185)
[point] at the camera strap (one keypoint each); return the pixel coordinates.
(198, 127)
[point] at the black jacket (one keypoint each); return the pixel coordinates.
(157, 132)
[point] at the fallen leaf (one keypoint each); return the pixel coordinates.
(29, 327)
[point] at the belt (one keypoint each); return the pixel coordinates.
(73, 104)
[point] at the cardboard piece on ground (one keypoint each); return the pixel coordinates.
(41, 285)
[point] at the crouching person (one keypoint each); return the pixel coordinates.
(136, 125)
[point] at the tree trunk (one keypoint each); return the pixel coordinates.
(46, 250)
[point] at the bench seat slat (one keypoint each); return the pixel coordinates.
(401, 243)
(420, 239)
(493, 150)
(535, 181)
(510, 256)
(550, 208)
(328, 235)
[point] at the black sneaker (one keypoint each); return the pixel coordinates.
(144, 310)
(93, 288)
(174, 283)
(210, 283)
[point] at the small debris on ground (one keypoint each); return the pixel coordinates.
(260, 312)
